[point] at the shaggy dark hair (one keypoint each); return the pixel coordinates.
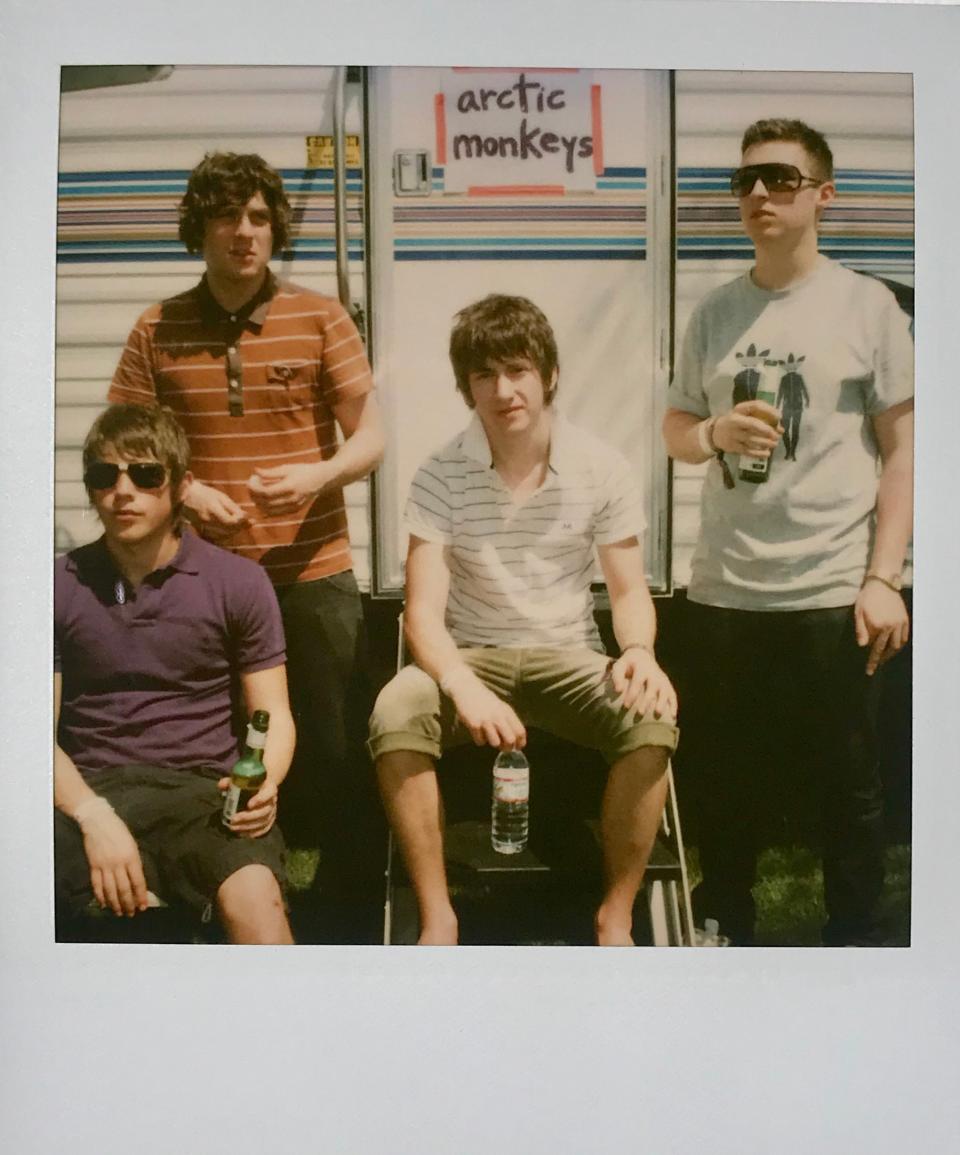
(813, 142)
(223, 179)
(497, 328)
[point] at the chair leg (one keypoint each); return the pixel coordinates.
(658, 914)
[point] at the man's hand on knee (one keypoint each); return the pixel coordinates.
(642, 685)
(116, 871)
(490, 720)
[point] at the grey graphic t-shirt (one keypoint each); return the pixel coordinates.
(834, 350)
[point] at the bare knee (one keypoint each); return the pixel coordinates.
(251, 906)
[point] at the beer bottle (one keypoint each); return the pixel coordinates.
(758, 468)
(248, 773)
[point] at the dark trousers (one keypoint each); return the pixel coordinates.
(774, 693)
(330, 796)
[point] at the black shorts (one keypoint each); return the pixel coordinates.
(174, 815)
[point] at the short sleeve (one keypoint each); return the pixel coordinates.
(686, 390)
(428, 511)
(620, 511)
(256, 628)
(344, 371)
(893, 380)
(133, 380)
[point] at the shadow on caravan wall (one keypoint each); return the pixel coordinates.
(604, 197)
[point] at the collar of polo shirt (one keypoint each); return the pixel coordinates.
(564, 446)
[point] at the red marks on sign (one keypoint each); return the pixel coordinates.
(516, 190)
(440, 116)
(596, 112)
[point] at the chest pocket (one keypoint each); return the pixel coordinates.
(290, 384)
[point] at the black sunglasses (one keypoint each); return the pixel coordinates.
(143, 474)
(775, 177)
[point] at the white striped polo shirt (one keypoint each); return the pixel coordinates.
(520, 572)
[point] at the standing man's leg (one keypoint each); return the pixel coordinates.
(330, 796)
(728, 718)
(839, 711)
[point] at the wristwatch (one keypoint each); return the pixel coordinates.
(893, 582)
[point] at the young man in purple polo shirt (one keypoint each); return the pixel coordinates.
(157, 634)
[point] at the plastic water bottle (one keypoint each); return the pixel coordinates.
(510, 813)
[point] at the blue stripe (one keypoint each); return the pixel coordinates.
(513, 242)
(184, 173)
(625, 170)
(156, 258)
(621, 184)
(522, 255)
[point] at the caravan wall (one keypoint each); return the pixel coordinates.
(125, 153)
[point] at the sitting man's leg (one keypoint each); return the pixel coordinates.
(570, 694)
(250, 905)
(202, 864)
(411, 724)
(632, 805)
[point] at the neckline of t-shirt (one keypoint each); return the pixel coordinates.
(819, 270)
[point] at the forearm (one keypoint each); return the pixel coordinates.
(634, 619)
(894, 517)
(354, 459)
(684, 439)
(430, 643)
(281, 741)
(70, 789)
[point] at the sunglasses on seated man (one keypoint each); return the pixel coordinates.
(143, 474)
(775, 177)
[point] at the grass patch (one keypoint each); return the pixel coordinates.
(789, 895)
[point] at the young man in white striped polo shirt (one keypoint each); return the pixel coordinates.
(504, 523)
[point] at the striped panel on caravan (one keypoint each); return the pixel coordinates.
(125, 155)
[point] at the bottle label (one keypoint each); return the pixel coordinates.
(511, 787)
(231, 803)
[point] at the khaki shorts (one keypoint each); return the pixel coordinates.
(568, 693)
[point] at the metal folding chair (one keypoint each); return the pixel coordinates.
(468, 854)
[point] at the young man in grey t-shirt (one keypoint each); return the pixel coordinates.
(793, 382)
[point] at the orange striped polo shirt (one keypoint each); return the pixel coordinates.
(299, 356)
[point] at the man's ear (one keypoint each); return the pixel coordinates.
(551, 391)
(185, 482)
(826, 193)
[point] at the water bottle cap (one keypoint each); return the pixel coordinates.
(260, 720)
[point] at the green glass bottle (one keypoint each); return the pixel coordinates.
(248, 773)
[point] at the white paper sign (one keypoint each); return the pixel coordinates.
(505, 130)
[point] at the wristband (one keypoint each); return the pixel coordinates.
(705, 436)
(892, 583)
(91, 806)
(636, 646)
(452, 675)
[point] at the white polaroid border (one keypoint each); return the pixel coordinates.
(354, 1050)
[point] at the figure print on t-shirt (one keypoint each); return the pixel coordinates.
(747, 381)
(792, 399)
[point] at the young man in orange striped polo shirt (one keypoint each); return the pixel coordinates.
(261, 374)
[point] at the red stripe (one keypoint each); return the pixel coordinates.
(470, 68)
(597, 114)
(440, 114)
(515, 190)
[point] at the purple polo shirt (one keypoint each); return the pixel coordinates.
(150, 675)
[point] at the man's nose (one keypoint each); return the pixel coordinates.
(759, 189)
(503, 385)
(244, 226)
(123, 484)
